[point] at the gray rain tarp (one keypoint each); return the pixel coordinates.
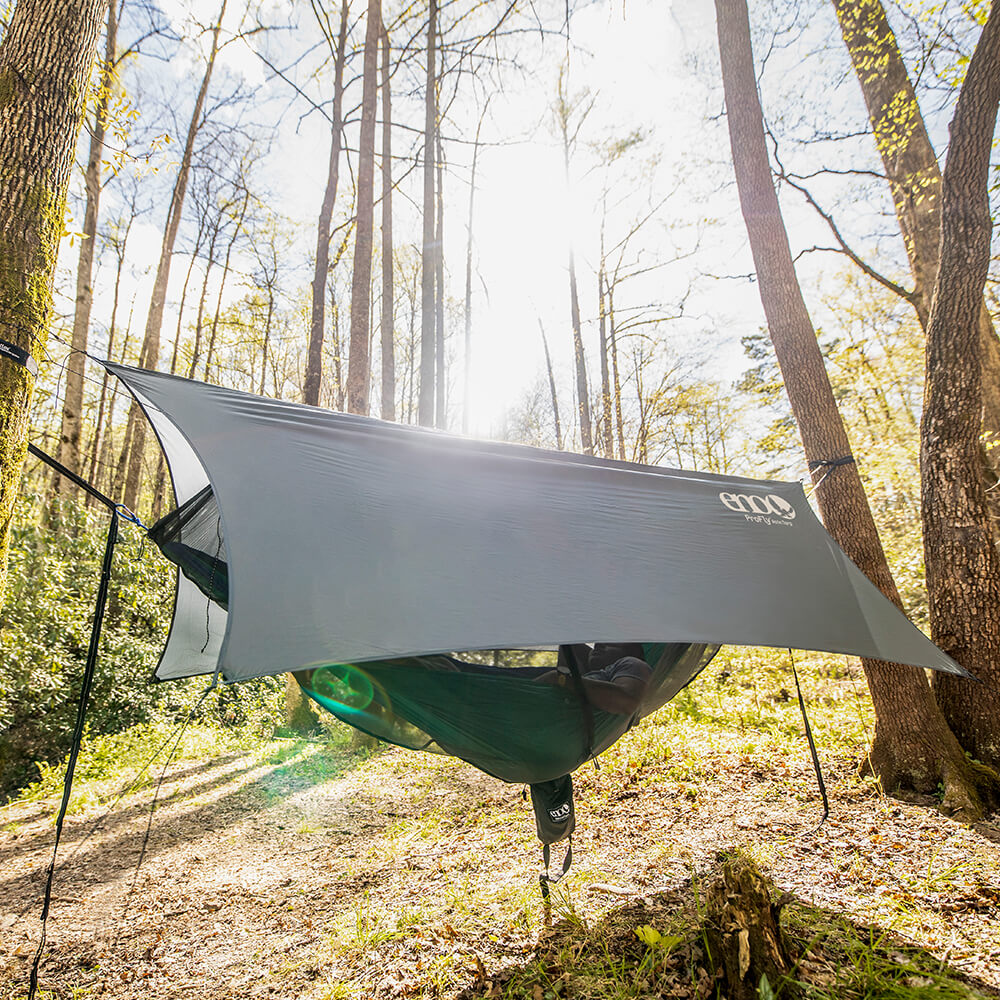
(349, 539)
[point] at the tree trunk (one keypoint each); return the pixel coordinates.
(425, 405)
(200, 315)
(467, 356)
(607, 441)
(45, 62)
(338, 394)
(314, 363)
(552, 387)
(359, 362)
(97, 449)
(150, 353)
(179, 331)
(69, 433)
(440, 376)
(582, 389)
(615, 376)
(159, 488)
(210, 351)
(913, 745)
(963, 569)
(388, 325)
(911, 169)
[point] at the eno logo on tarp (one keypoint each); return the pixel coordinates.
(753, 503)
(560, 814)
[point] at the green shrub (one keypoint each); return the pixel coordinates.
(45, 625)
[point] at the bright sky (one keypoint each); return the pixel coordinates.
(649, 66)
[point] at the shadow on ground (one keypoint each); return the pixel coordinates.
(658, 946)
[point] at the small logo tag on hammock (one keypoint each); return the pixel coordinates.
(560, 814)
(19, 356)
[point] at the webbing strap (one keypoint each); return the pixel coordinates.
(829, 464)
(81, 710)
(545, 879)
(812, 744)
(119, 508)
(81, 715)
(19, 356)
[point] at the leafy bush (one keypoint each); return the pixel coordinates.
(45, 625)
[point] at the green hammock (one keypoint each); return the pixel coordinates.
(503, 720)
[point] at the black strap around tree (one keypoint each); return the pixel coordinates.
(829, 464)
(88, 677)
(545, 879)
(19, 356)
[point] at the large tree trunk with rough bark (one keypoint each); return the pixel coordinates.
(912, 170)
(913, 745)
(425, 405)
(149, 355)
(963, 569)
(387, 323)
(69, 433)
(317, 322)
(359, 362)
(45, 62)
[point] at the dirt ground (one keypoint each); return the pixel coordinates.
(410, 875)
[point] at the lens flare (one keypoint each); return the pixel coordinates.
(345, 685)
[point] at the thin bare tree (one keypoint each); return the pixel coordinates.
(387, 323)
(150, 353)
(317, 322)
(359, 358)
(425, 408)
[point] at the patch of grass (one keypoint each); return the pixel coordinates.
(134, 755)
(843, 961)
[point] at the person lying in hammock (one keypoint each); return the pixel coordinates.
(615, 677)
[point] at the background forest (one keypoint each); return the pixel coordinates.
(510, 219)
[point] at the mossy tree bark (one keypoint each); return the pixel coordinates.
(963, 569)
(913, 746)
(45, 62)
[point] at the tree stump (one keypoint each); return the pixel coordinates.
(742, 933)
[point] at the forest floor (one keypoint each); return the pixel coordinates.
(293, 869)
